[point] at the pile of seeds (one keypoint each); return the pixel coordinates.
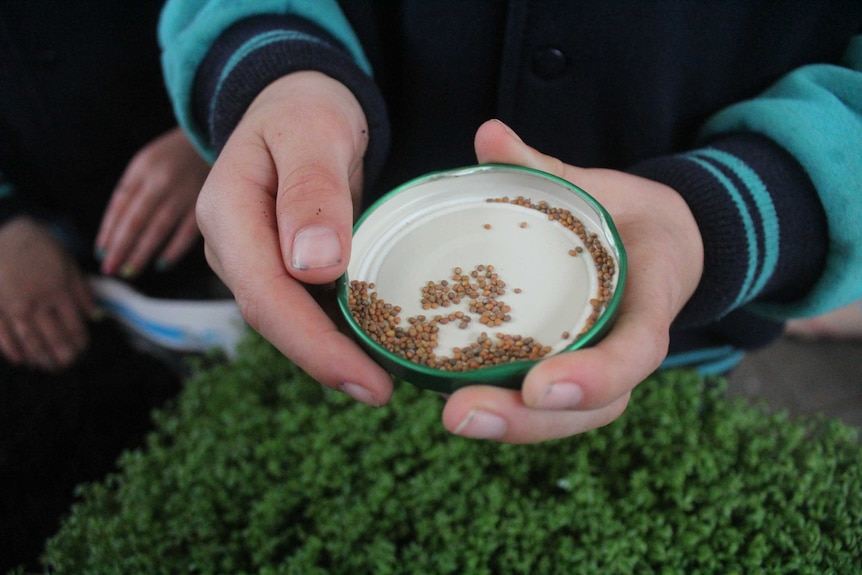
(482, 288)
(417, 341)
(605, 266)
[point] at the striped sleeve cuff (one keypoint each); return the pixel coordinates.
(763, 227)
(815, 114)
(257, 51)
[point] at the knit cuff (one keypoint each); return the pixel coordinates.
(763, 227)
(257, 51)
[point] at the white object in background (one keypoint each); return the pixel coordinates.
(181, 325)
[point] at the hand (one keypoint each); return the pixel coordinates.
(44, 299)
(574, 392)
(153, 207)
(276, 213)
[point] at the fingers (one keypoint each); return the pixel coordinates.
(64, 329)
(162, 226)
(565, 394)
(635, 347)
(27, 331)
(594, 377)
(481, 412)
(145, 230)
(152, 206)
(117, 207)
(53, 343)
(51, 338)
(9, 345)
(568, 393)
(137, 229)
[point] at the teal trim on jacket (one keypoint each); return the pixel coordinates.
(708, 361)
(188, 28)
(815, 113)
(762, 260)
(7, 190)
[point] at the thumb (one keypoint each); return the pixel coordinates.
(317, 151)
(495, 142)
(315, 217)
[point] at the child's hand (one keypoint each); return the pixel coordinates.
(44, 299)
(152, 207)
(574, 392)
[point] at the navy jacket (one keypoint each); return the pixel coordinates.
(751, 110)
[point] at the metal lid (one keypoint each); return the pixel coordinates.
(487, 215)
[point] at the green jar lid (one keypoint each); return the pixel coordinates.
(539, 259)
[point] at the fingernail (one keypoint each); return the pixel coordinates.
(561, 395)
(100, 254)
(316, 247)
(510, 131)
(127, 271)
(481, 425)
(162, 264)
(98, 313)
(359, 393)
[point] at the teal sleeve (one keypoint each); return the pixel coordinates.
(188, 28)
(815, 114)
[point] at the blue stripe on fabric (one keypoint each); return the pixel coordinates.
(697, 356)
(707, 361)
(257, 43)
(747, 222)
(763, 202)
(722, 366)
(162, 331)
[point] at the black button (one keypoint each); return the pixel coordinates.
(549, 63)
